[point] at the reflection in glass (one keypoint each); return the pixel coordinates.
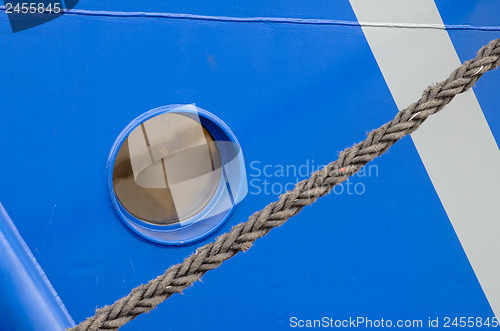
(167, 169)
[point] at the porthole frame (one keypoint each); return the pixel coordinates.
(203, 223)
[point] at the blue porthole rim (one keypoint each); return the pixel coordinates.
(185, 231)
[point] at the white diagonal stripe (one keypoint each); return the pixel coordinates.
(456, 146)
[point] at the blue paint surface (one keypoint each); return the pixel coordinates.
(69, 87)
(29, 301)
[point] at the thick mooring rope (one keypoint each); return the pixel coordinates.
(178, 277)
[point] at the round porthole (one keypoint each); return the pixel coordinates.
(176, 173)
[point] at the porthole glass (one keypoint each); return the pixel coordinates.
(167, 170)
(176, 173)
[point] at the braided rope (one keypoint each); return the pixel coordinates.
(178, 277)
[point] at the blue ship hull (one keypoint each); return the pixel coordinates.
(296, 82)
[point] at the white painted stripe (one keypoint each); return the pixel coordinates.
(456, 145)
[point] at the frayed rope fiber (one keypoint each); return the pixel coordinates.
(178, 277)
